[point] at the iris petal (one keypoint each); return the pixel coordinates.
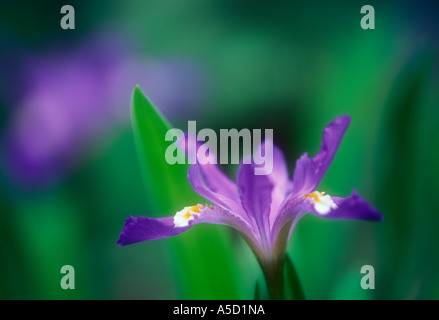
(144, 228)
(196, 179)
(215, 179)
(278, 177)
(332, 136)
(309, 172)
(353, 207)
(256, 193)
(304, 177)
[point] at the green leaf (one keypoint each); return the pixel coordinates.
(203, 258)
(293, 286)
(166, 184)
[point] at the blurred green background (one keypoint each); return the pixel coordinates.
(70, 172)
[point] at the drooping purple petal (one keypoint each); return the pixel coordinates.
(256, 191)
(145, 228)
(296, 206)
(309, 172)
(352, 208)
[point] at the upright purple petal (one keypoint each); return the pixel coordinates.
(332, 136)
(215, 179)
(196, 179)
(309, 172)
(291, 210)
(256, 198)
(304, 177)
(219, 182)
(278, 177)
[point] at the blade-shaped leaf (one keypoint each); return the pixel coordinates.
(166, 184)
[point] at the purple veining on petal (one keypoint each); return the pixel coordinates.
(278, 177)
(256, 198)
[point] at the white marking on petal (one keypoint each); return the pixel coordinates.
(182, 218)
(322, 203)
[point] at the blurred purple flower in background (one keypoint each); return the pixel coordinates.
(71, 96)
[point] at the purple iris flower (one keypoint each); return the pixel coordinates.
(263, 208)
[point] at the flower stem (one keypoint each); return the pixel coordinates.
(274, 277)
(273, 273)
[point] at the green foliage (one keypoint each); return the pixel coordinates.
(167, 185)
